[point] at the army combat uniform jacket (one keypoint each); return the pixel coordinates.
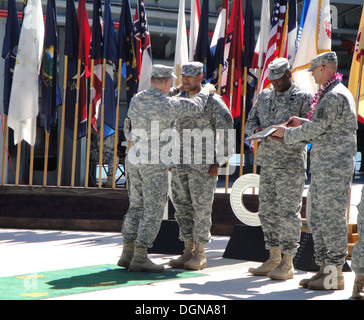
(332, 131)
(274, 108)
(205, 137)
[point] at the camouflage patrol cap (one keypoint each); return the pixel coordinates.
(323, 58)
(162, 71)
(277, 68)
(193, 68)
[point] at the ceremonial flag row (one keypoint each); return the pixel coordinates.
(31, 56)
(232, 59)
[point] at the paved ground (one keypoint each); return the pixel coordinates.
(34, 251)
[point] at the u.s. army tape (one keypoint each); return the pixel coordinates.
(246, 181)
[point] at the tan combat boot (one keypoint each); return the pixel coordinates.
(198, 260)
(284, 271)
(331, 279)
(304, 282)
(127, 254)
(187, 255)
(358, 287)
(275, 258)
(141, 263)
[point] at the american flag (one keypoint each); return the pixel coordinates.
(143, 45)
(275, 38)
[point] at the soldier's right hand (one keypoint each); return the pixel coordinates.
(294, 122)
(210, 87)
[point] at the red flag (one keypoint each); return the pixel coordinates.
(84, 39)
(275, 39)
(236, 36)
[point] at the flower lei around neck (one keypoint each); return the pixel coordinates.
(337, 78)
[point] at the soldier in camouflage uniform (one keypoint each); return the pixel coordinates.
(332, 132)
(283, 171)
(357, 256)
(194, 181)
(151, 113)
(108, 155)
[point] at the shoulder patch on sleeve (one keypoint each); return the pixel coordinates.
(228, 117)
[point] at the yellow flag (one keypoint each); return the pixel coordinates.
(356, 77)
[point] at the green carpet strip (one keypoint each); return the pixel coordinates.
(79, 280)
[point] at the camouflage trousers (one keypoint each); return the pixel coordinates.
(192, 197)
(329, 197)
(357, 256)
(148, 189)
(280, 202)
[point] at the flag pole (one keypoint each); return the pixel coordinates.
(116, 138)
(89, 124)
(75, 127)
(177, 74)
(31, 165)
(17, 163)
(4, 148)
(46, 150)
(60, 156)
(219, 79)
(231, 100)
(101, 150)
(243, 123)
(255, 141)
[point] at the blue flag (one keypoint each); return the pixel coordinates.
(97, 41)
(202, 53)
(306, 5)
(49, 71)
(10, 47)
(126, 51)
(71, 51)
(111, 56)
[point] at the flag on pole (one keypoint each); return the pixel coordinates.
(111, 56)
(235, 59)
(84, 40)
(194, 26)
(249, 45)
(314, 39)
(77, 46)
(181, 51)
(306, 5)
(263, 37)
(71, 51)
(202, 53)
(96, 53)
(49, 71)
(10, 48)
(249, 34)
(292, 31)
(143, 46)
(275, 39)
(218, 41)
(356, 79)
(23, 106)
(126, 51)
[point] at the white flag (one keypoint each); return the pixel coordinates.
(194, 26)
(23, 106)
(315, 39)
(181, 51)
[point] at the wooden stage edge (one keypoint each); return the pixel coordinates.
(93, 209)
